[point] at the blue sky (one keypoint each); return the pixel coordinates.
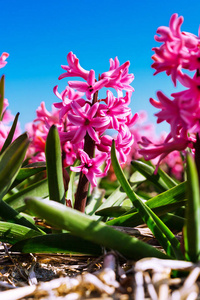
(39, 34)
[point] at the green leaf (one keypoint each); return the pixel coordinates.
(173, 221)
(54, 166)
(2, 84)
(167, 179)
(87, 228)
(118, 196)
(158, 228)
(9, 138)
(38, 189)
(135, 219)
(94, 201)
(114, 211)
(28, 171)
(161, 180)
(192, 220)
(71, 186)
(137, 178)
(13, 233)
(115, 198)
(11, 215)
(162, 203)
(57, 243)
(10, 162)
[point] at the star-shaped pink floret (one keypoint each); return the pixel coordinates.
(193, 85)
(90, 166)
(67, 96)
(89, 87)
(118, 76)
(86, 121)
(116, 109)
(73, 69)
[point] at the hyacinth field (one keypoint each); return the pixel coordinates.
(92, 179)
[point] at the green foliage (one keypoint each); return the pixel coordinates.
(161, 180)
(12, 233)
(87, 228)
(165, 202)
(158, 228)
(25, 235)
(37, 189)
(10, 162)
(10, 135)
(143, 198)
(54, 166)
(192, 220)
(57, 243)
(70, 195)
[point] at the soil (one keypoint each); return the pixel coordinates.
(111, 276)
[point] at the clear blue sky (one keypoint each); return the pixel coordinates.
(39, 34)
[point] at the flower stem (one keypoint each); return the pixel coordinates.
(83, 184)
(197, 145)
(197, 155)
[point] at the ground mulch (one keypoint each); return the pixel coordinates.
(111, 276)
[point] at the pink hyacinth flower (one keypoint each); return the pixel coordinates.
(193, 85)
(73, 69)
(179, 49)
(118, 76)
(123, 143)
(4, 130)
(178, 143)
(86, 121)
(89, 87)
(44, 115)
(171, 112)
(67, 96)
(7, 116)
(3, 58)
(169, 33)
(90, 166)
(116, 109)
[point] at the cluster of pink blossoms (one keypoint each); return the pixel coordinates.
(38, 131)
(7, 117)
(80, 114)
(179, 51)
(84, 115)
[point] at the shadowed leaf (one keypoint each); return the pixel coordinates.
(87, 228)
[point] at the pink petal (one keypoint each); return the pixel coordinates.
(93, 134)
(91, 78)
(79, 135)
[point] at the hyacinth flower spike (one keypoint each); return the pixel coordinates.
(86, 119)
(179, 51)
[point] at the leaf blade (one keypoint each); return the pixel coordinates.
(57, 243)
(158, 228)
(54, 166)
(9, 138)
(86, 227)
(192, 220)
(10, 162)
